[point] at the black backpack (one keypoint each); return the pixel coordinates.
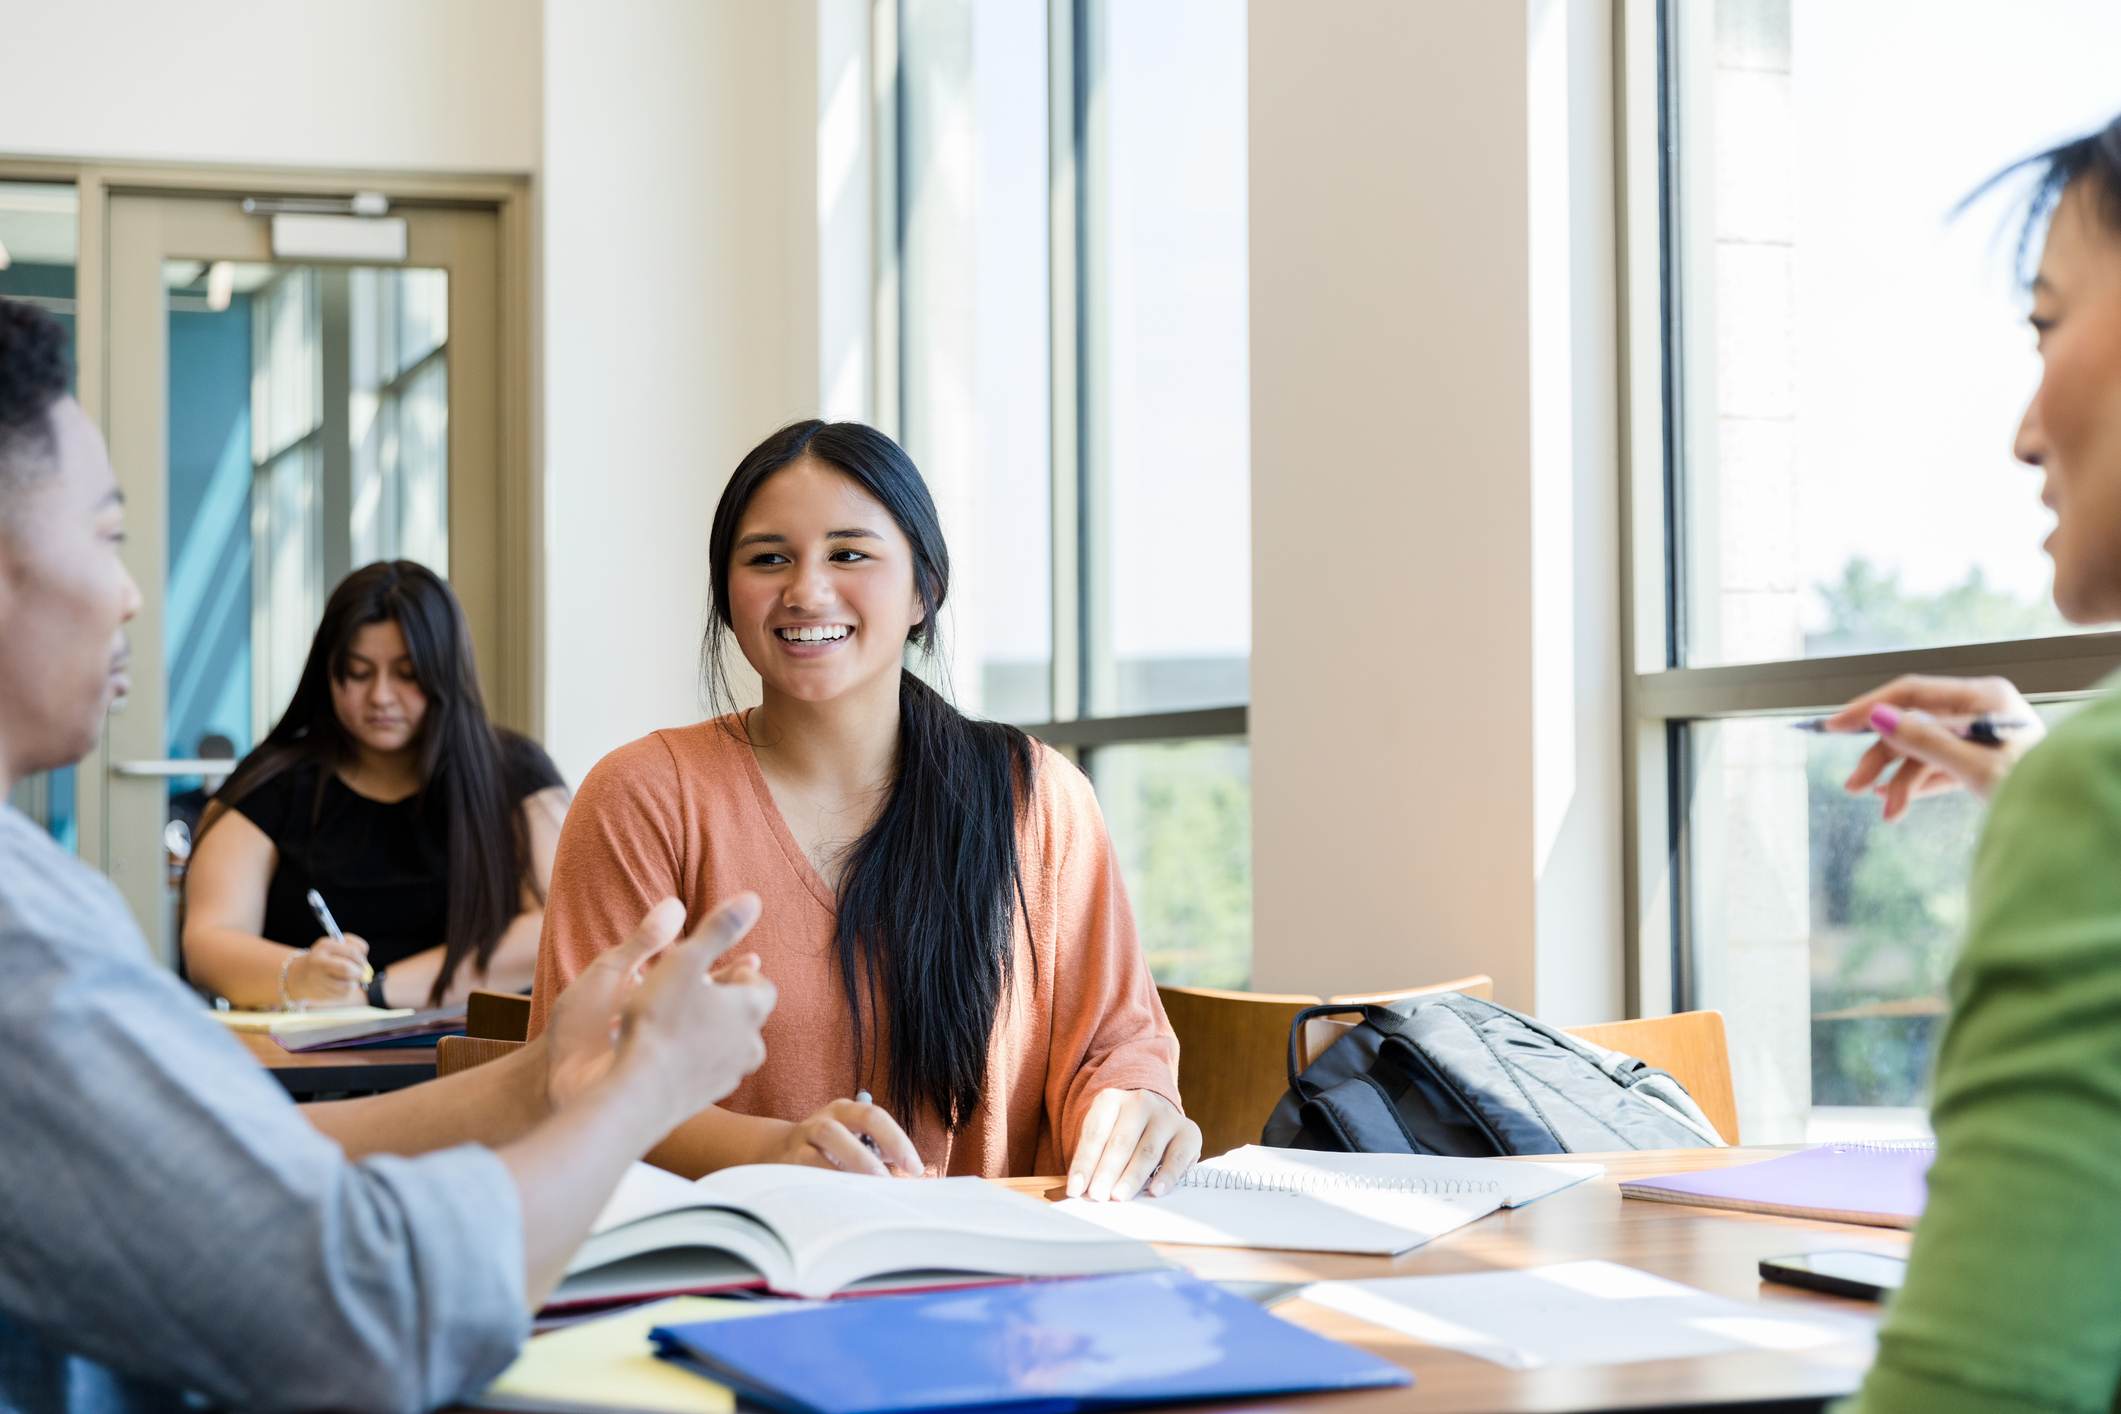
(1451, 1074)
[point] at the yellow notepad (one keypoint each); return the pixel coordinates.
(277, 1022)
(608, 1363)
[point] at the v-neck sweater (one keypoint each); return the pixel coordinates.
(687, 813)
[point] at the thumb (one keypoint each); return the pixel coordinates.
(654, 933)
(1916, 733)
(724, 928)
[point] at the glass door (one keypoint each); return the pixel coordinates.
(276, 423)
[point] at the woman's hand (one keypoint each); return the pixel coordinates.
(694, 1020)
(1932, 758)
(832, 1139)
(1132, 1139)
(330, 972)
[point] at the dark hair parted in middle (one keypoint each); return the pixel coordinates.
(930, 892)
(460, 765)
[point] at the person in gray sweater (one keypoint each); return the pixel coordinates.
(173, 1230)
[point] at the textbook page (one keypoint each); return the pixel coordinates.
(1579, 1313)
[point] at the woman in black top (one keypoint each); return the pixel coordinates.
(427, 831)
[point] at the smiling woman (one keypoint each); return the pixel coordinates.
(943, 912)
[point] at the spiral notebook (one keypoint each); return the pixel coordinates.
(1876, 1184)
(1297, 1199)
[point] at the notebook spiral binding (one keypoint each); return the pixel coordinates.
(1884, 1146)
(1311, 1181)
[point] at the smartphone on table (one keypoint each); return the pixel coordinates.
(1867, 1276)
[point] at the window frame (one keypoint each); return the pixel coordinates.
(1662, 698)
(1072, 725)
(1079, 587)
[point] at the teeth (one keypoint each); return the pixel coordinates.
(814, 635)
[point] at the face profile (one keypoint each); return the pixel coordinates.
(2072, 426)
(65, 593)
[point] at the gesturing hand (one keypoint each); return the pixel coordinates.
(689, 1025)
(1932, 758)
(1131, 1138)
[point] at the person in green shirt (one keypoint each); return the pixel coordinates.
(2013, 1291)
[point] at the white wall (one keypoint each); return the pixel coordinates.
(1434, 702)
(422, 85)
(678, 202)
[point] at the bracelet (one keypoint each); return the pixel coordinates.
(288, 1003)
(375, 990)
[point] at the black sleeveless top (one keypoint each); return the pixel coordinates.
(383, 869)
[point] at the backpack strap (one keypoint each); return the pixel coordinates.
(1296, 1032)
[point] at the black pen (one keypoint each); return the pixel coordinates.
(1983, 730)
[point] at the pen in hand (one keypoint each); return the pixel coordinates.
(1983, 730)
(861, 1097)
(330, 925)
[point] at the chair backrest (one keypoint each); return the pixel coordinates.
(455, 1053)
(497, 1016)
(1690, 1046)
(1322, 1031)
(1233, 1058)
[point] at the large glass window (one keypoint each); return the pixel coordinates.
(1073, 382)
(1845, 363)
(1166, 391)
(977, 369)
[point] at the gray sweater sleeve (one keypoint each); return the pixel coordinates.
(166, 1211)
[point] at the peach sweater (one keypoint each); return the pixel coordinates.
(686, 812)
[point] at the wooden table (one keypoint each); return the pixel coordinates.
(1713, 1250)
(330, 1072)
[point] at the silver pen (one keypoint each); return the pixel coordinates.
(330, 925)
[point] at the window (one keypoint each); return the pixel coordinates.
(326, 499)
(1072, 377)
(1835, 334)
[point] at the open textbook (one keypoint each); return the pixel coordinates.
(814, 1232)
(1301, 1199)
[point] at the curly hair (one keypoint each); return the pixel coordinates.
(34, 374)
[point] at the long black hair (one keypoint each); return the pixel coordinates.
(929, 892)
(460, 760)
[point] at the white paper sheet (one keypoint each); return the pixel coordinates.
(1578, 1313)
(1372, 1223)
(1518, 1182)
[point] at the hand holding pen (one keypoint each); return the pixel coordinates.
(334, 968)
(1943, 734)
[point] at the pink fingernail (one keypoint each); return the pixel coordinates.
(1886, 720)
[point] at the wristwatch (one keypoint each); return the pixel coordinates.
(375, 990)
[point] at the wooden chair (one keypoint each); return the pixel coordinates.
(497, 1016)
(455, 1053)
(1322, 1031)
(1690, 1046)
(1233, 1058)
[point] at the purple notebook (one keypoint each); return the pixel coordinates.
(1880, 1185)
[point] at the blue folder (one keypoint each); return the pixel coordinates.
(1042, 1347)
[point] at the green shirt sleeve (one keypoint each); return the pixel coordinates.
(2013, 1295)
